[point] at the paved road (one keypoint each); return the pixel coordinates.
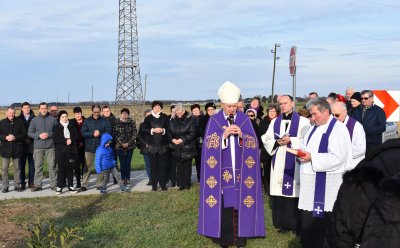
(138, 183)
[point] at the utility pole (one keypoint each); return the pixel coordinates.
(92, 93)
(273, 71)
(145, 88)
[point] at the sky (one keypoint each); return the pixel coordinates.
(187, 49)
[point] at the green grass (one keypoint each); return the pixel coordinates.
(162, 219)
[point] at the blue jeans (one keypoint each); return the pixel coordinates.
(31, 168)
(147, 164)
(125, 157)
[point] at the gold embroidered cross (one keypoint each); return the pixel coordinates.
(211, 182)
(227, 176)
(212, 162)
(249, 182)
(248, 201)
(250, 162)
(211, 201)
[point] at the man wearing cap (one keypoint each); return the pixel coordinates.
(327, 156)
(285, 131)
(355, 102)
(231, 203)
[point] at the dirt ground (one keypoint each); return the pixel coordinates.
(12, 234)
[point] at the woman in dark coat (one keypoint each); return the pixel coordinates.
(155, 128)
(273, 111)
(367, 209)
(182, 133)
(65, 136)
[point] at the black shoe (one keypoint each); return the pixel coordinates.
(98, 188)
(83, 188)
(5, 190)
(181, 188)
(148, 183)
(154, 189)
(36, 188)
(18, 189)
(78, 185)
(23, 187)
(188, 186)
(164, 188)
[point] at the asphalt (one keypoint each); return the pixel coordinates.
(138, 183)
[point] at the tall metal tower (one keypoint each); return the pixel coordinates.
(129, 86)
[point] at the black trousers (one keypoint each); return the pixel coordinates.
(285, 213)
(158, 169)
(197, 160)
(65, 171)
(172, 173)
(313, 230)
(229, 228)
(184, 169)
(81, 166)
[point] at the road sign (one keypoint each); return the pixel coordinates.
(292, 61)
(389, 101)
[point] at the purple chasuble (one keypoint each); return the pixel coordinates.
(350, 126)
(243, 192)
(320, 178)
(290, 160)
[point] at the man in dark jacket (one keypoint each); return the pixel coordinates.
(367, 209)
(12, 134)
(26, 117)
(373, 119)
(92, 130)
(41, 130)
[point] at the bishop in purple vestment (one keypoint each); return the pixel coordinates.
(231, 202)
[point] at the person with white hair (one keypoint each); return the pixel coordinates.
(182, 134)
(231, 202)
(356, 131)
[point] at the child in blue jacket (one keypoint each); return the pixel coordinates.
(105, 163)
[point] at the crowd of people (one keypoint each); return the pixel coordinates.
(300, 155)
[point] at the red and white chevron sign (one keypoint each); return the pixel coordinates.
(389, 101)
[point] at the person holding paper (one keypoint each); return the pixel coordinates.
(328, 153)
(287, 130)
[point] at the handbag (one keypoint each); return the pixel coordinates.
(72, 154)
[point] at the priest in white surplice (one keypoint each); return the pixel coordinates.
(287, 130)
(328, 156)
(356, 131)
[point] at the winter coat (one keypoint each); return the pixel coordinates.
(142, 140)
(158, 142)
(374, 123)
(368, 202)
(262, 129)
(81, 140)
(27, 147)
(41, 124)
(63, 151)
(104, 155)
(125, 132)
(91, 124)
(183, 128)
(14, 148)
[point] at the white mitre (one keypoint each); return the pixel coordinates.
(229, 93)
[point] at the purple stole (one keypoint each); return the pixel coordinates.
(350, 126)
(320, 178)
(288, 174)
(243, 192)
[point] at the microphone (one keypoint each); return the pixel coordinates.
(231, 119)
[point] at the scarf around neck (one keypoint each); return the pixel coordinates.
(156, 115)
(67, 134)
